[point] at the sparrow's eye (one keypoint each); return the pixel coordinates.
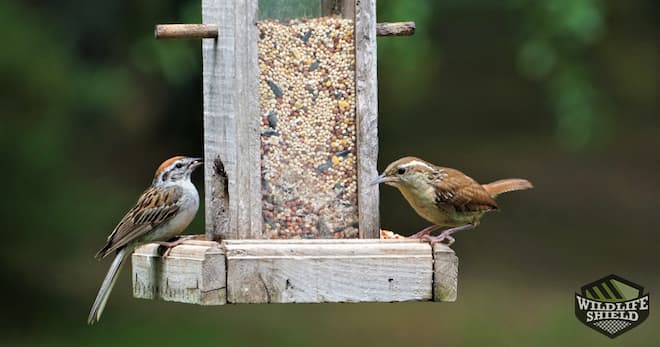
(178, 165)
(401, 170)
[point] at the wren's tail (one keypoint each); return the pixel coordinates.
(507, 185)
(106, 286)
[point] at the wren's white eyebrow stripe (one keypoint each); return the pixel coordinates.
(418, 163)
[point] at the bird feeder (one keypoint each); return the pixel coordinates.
(290, 147)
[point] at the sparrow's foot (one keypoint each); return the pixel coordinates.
(424, 232)
(171, 244)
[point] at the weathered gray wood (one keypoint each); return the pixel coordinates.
(395, 29)
(192, 273)
(314, 271)
(445, 273)
(186, 31)
(367, 116)
(290, 271)
(231, 121)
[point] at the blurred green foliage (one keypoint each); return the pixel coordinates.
(563, 92)
(553, 43)
(557, 38)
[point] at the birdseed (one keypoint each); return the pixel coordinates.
(308, 142)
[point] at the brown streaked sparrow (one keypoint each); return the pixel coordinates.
(162, 212)
(445, 197)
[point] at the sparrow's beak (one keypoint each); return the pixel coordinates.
(383, 179)
(196, 162)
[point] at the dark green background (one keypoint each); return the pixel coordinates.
(563, 92)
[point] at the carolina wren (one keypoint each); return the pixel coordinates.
(445, 197)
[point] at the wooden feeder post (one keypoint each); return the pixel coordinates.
(232, 125)
(240, 262)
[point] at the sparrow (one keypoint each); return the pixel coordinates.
(445, 197)
(162, 212)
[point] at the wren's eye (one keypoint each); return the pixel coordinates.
(401, 170)
(178, 165)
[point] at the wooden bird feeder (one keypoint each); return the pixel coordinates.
(290, 147)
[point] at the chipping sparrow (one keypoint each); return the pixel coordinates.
(444, 196)
(162, 212)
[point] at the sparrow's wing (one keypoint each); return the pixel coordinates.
(457, 191)
(154, 207)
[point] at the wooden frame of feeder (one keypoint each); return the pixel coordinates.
(243, 267)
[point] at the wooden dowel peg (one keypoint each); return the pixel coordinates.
(186, 31)
(395, 29)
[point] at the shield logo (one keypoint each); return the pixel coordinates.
(612, 305)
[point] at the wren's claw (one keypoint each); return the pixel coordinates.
(446, 235)
(424, 232)
(435, 239)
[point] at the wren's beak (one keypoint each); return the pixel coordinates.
(383, 179)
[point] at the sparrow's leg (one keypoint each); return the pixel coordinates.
(171, 244)
(446, 234)
(424, 232)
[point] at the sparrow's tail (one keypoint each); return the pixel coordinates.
(507, 185)
(106, 286)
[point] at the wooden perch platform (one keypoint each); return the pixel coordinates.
(296, 271)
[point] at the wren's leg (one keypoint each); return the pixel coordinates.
(172, 244)
(446, 234)
(429, 229)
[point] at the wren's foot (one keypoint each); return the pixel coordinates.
(446, 235)
(171, 244)
(424, 232)
(435, 239)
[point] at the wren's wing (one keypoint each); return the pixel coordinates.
(153, 208)
(457, 191)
